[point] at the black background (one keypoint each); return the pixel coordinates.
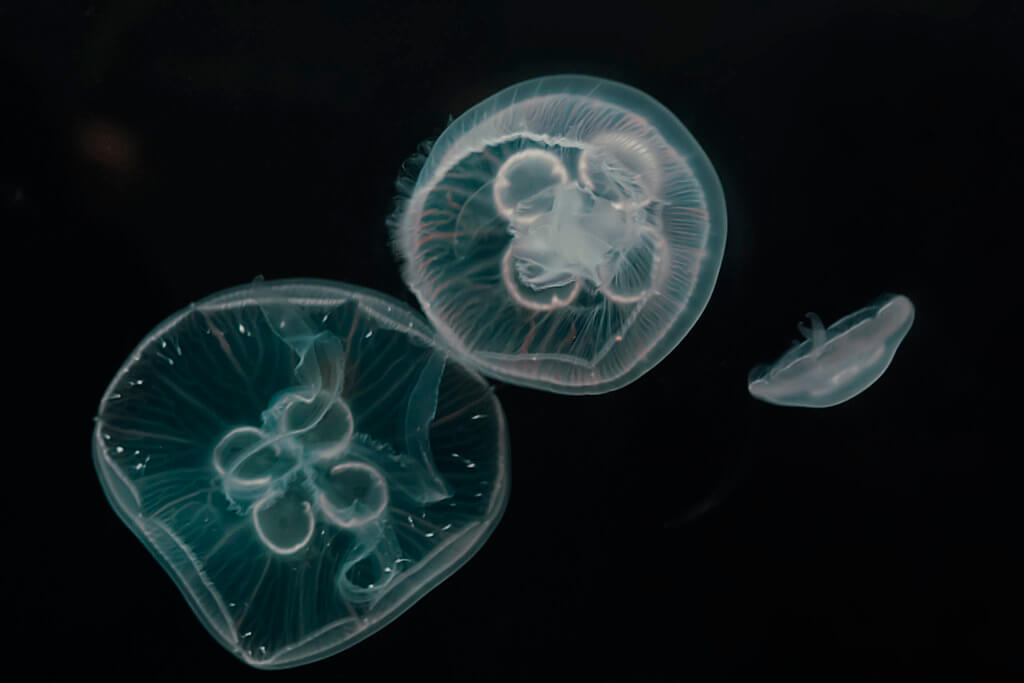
(156, 152)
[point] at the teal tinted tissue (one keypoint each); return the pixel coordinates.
(303, 460)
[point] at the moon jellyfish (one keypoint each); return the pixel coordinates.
(303, 461)
(833, 365)
(564, 234)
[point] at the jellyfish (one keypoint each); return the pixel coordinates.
(564, 234)
(303, 460)
(833, 365)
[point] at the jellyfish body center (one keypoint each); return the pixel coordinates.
(573, 228)
(272, 472)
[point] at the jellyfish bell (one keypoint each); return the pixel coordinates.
(832, 365)
(294, 453)
(563, 234)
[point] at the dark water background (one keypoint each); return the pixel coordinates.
(156, 152)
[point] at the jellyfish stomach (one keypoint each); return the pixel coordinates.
(582, 236)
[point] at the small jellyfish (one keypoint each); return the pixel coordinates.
(563, 234)
(304, 461)
(833, 365)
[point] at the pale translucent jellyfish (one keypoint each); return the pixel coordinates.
(833, 365)
(303, 461)
(563, 234)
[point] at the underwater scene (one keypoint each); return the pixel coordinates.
(467, 341)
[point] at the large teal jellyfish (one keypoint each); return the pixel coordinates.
(563, 234)
(835, 364)
(304, 462)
